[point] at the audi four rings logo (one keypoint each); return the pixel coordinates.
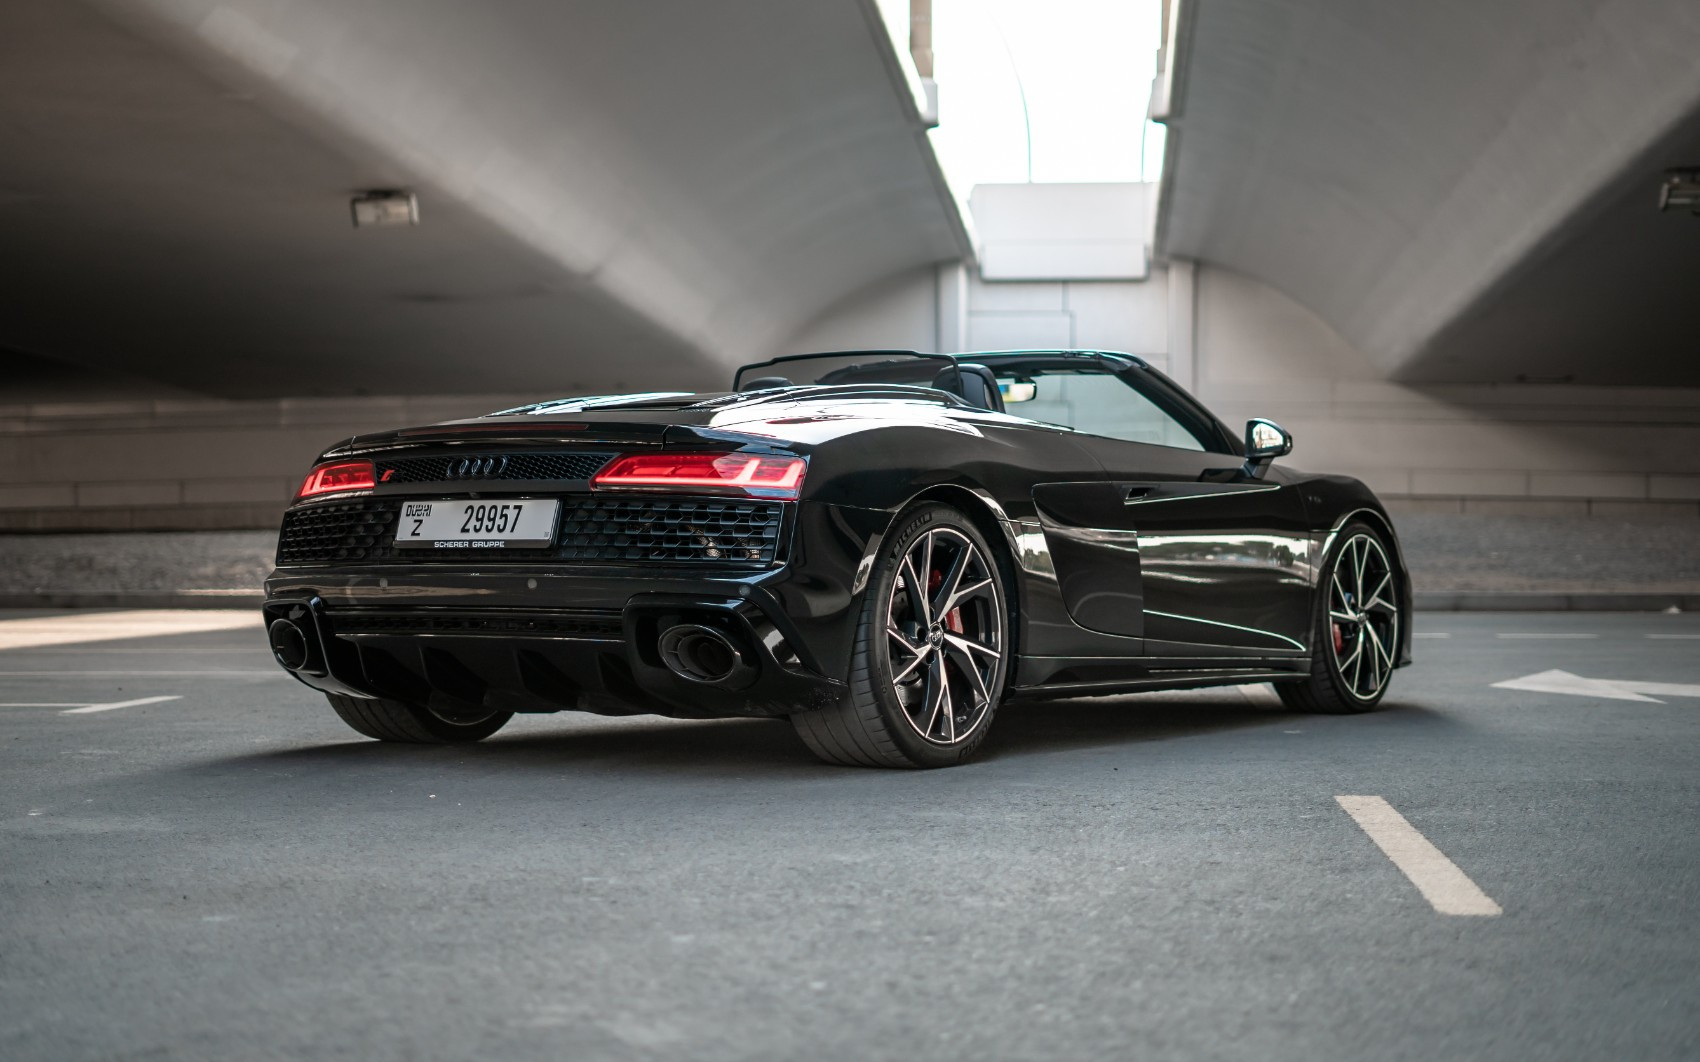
(476, 467)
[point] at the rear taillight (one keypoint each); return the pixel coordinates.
(338, 478)
(754, 474)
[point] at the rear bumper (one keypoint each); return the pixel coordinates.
(547, 636)
(529, 659)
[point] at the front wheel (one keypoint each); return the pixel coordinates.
(932, 651)
(399, 721)
(1355, 642)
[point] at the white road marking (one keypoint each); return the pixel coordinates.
(1610, 689)
(1261, 694)
(1448, 889)
(32, 631)
(1542, 636)
(1673, 637)
(153, 650)
(1437, 634)
(268, 672)
(89, 709)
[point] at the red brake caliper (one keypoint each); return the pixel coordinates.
(1339, 640)
(953, 618)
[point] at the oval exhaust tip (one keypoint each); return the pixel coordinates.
(289, 645)
(700, 653)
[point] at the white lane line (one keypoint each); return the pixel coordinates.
(1261, 694)
(270, 672)
(1673, 637)
(153, 650)
(1447, 888)
(89, 709)
(1543, 635)
(1427, 634)
(30, 632)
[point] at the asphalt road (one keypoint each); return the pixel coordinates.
(232, 874)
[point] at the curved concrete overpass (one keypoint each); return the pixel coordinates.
(610, 192)
(1466, 191)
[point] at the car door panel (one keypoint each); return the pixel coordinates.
(1224, 559)
(1097, 561)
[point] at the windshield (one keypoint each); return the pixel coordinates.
(1091, 400)
(849, 367)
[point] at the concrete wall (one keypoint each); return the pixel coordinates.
(1507, 449)
(182, 464)
(1244, 348)
(1248, 350)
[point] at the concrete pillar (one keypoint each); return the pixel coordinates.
(1183, 318)
(951, 316)
(921, 36)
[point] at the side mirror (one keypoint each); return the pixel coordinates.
(1265, 440)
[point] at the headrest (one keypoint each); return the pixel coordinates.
(978, 386)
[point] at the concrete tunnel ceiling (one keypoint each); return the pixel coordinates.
(612, 194)
(1467, 191)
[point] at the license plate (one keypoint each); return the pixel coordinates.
(513, 523)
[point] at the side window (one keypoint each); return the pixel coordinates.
(1099, 404)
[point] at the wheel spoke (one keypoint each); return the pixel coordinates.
(917, 653)
(1344, 617)
(944, 705)
(949, 704)
(931, 700)
(1387, 577)
(916, 588)
(958, 650)
(972, 646)
(944, 600)
(909, 668)
(924, 586)
(897, 636)
(1357, 649)
(1381, 650)
(963, 594)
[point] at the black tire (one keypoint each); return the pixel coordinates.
(398, 721)
(1354, 646)
(887, 720)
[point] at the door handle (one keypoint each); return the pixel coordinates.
(1135, 494)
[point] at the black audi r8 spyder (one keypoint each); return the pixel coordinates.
(882, 546)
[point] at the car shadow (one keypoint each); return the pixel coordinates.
(706, 749)
(1026, 728)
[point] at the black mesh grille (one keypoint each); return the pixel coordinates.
(583, 624)
(456, 468)
(340, 531)
(591, 530)
(669, 530)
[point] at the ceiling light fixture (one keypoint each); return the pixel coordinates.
(1680, 191)
(381, 207)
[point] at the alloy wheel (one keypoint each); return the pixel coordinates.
(1363, 616)
(945, 635)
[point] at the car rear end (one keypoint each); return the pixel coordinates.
(639, 566)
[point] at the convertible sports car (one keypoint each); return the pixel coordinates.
(883, 546)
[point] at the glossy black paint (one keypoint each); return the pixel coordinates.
(1129, 565)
